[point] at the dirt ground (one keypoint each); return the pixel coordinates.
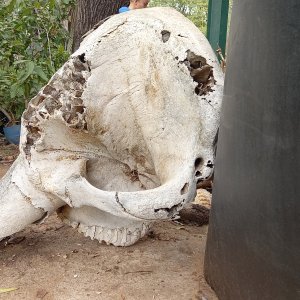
(54, 261)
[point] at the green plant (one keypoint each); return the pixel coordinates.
(33, 40)
(195, 10)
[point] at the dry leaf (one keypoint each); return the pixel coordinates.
(7, 290)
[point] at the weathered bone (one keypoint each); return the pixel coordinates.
(121, 134)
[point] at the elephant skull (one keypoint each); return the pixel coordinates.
(121, 134)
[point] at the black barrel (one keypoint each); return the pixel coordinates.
(253, 245)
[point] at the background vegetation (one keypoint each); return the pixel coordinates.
(195, 10)
(32, 47)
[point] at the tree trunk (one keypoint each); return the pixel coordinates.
(87, 13)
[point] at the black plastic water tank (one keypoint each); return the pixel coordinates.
(253, 246)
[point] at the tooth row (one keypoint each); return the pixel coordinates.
(116, 236)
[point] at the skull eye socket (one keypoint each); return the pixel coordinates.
(198, 163)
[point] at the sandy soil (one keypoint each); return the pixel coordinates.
(54, 261)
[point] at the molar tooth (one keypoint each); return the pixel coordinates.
(105, 235)
(128, 234)
(98, 233)
(91, 232)
(73, 224)
(82, 229)
(114, 236)
(108, 237)
(136, 235)
(122, 236)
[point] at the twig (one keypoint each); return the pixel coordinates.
(49, 49)
(140, 271)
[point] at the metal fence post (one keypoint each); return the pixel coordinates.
(217, 23)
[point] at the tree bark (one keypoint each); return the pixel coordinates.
(87, 13)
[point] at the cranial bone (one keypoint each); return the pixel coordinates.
(121, 134)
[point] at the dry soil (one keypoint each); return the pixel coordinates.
(53, 261)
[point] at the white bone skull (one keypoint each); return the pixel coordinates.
(121, 134)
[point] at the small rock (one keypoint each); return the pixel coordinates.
(41, 293)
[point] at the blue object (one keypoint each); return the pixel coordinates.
(12, 134)
(123, 9)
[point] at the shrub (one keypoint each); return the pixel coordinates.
(33, 44)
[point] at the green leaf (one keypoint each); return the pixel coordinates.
(20, 61)
(7, 290)
(52, 69)
(29, 70)
(11, 6)
(17, 90)
(13, 91)
(38, 4)
(52, 4)
(39, 71)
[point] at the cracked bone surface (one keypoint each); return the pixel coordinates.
(121, 134)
